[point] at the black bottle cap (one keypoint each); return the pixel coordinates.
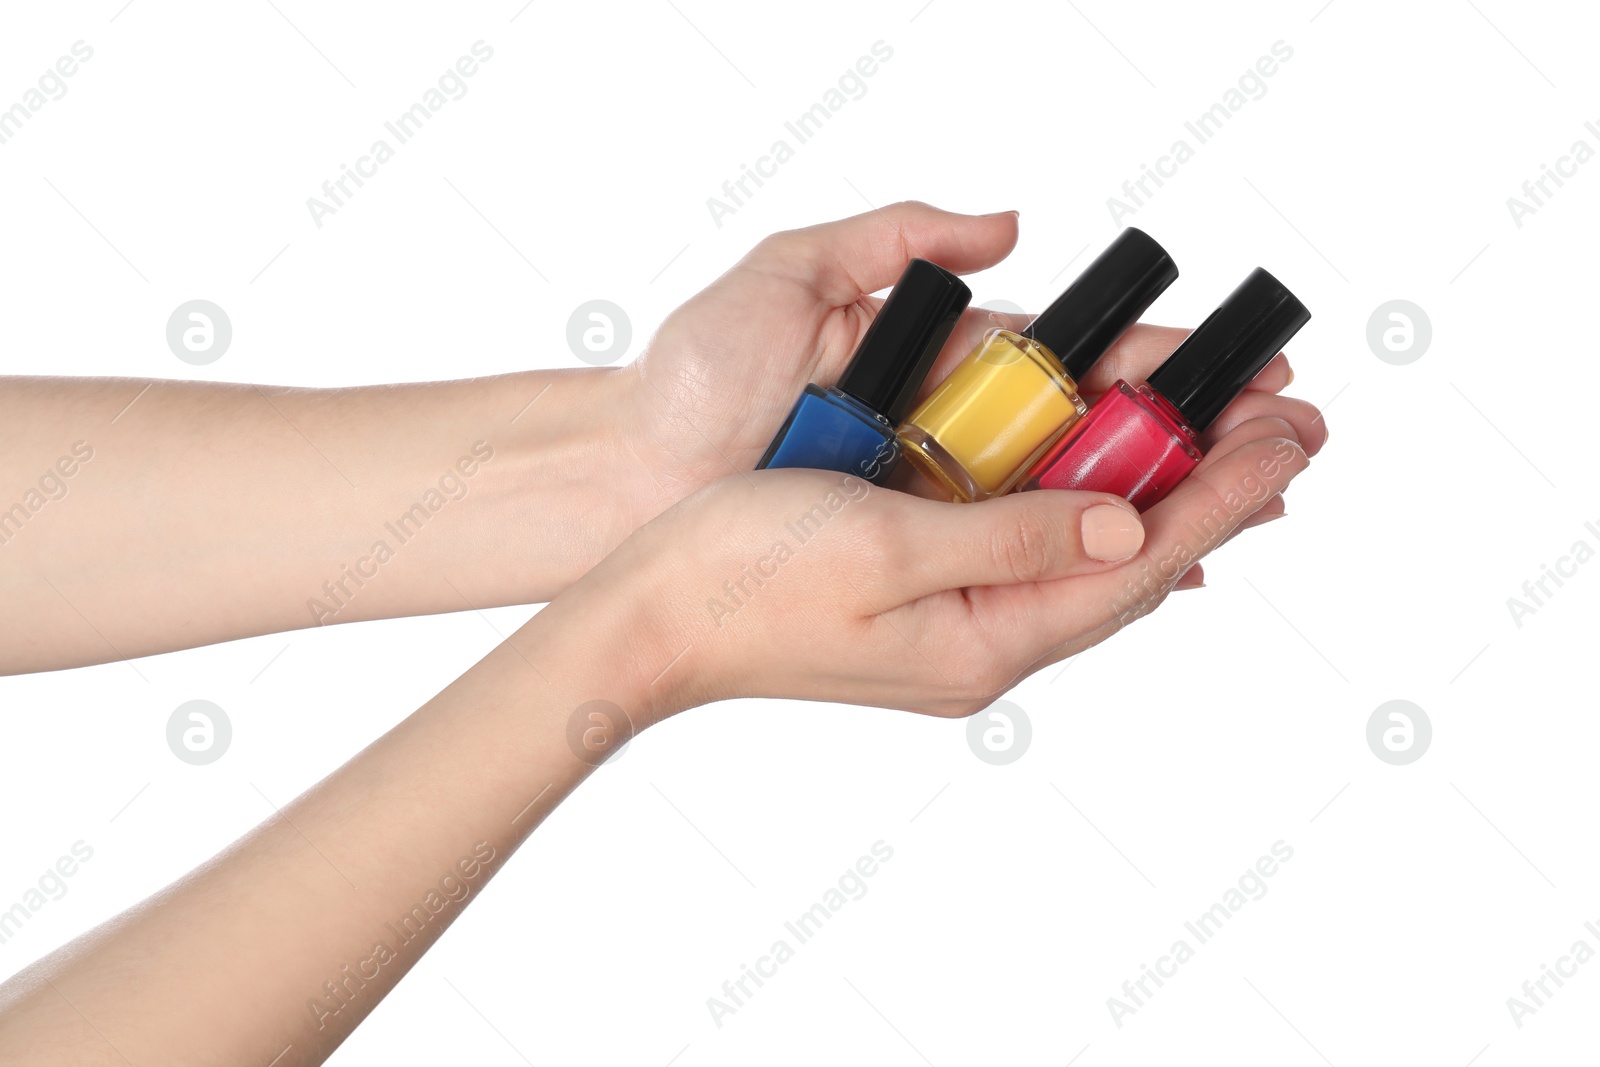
(899, 348)
(1229, 348)
(1104, 301)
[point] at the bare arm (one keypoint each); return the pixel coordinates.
(139, 517)
(288, 938)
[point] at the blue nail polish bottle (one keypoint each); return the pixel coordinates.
(850, 427)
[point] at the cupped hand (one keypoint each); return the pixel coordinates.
(816, 585)
(720, 375)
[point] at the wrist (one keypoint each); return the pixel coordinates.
(527, 475)
(614, 638)
(568, 493)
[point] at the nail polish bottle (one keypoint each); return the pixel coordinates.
(850, 427)
(1015, 394)
(1139, 441)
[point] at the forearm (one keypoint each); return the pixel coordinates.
(139, 517)
(291, 936)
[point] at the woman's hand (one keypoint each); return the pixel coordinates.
(720, 375)
(819, 586)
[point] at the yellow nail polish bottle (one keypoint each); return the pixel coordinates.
(1017, 393)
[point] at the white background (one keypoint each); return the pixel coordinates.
(1376, 166)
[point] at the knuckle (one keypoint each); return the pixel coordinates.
(777, 248)
(884, 544)
(901, 208)
(1027, 547)
(768, 248)
(881, 521)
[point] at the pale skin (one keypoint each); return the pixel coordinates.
(234, 507)
(854, 614)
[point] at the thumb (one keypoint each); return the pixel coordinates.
(1025, 537)
(845, 260)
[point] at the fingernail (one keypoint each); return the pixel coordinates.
(1111, 534)
(1290, 382)
(997, 214)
